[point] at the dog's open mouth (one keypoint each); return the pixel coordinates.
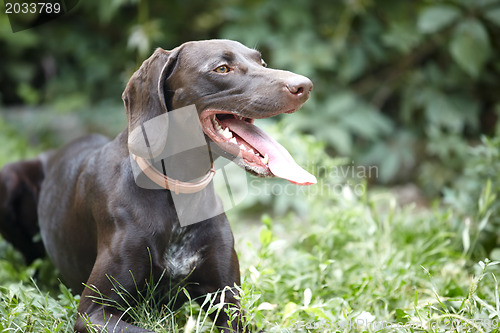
(258, 151)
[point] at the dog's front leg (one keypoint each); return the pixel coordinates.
(112, 278)
(217, 276)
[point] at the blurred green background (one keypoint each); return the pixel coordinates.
(409, 86)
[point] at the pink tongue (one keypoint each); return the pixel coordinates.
(281, 163)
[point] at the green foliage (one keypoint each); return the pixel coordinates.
(353, 264)
(14, 144)
(475, 197)
(356, 260)
(390, 85)
(399, 85)
(436, 17)
(24, 308)
(470, 46)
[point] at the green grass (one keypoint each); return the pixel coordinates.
(354, 264)
(323, 260)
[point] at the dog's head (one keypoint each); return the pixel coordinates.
(230, 86)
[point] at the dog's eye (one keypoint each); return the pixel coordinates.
(222, 69)
(263, 63)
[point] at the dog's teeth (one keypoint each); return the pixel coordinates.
(265, 159)
(251, 150)
(216, 123)
(227, 133)
(233, 140)
(242, 147)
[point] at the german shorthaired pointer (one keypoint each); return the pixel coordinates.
(101, 229)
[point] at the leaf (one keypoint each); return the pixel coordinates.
(466, 236)
(401, 316)
(143, 35)
(354, 65)
(389, 167)
(402, 36)
(368, 122)
(289, 310)
(340, 138)
(442, 113)
(265, 236)
(266, 306)
(435, 18)
(307, 297)
(494, 16)
(470, 46)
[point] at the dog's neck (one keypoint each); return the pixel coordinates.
(191, 206)
(161, 178)
(187, 171)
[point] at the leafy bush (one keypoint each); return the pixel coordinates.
(401, 85)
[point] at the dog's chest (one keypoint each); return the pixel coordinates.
(183, 254)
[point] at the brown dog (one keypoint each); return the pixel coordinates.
(99, 227)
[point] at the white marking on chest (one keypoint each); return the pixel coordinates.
(182, 256)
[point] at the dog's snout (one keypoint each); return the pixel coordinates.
(299, 86)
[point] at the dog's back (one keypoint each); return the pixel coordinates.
(22, 187)
(20, 184)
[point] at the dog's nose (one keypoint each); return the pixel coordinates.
(299, 86)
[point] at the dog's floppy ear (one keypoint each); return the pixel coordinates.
(144, 99)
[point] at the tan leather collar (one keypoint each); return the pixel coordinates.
(168, 183)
